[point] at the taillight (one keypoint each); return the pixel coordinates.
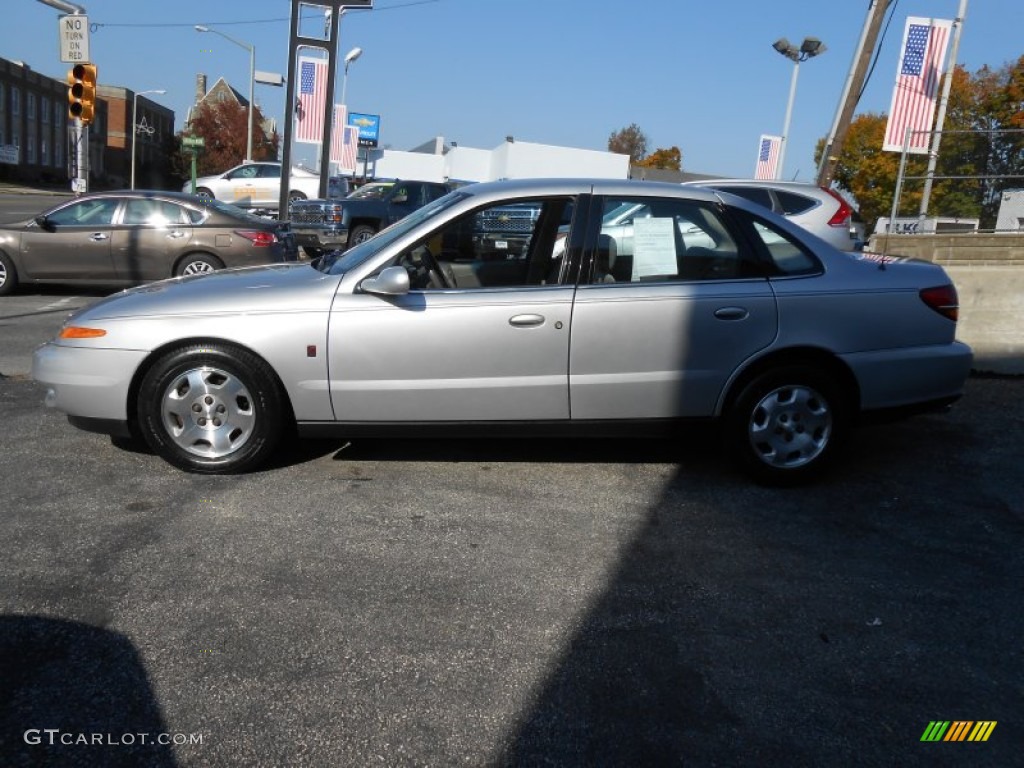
(257, 237)
(942, 299)
(840, 218)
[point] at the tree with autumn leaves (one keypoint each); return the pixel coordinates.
(632, 141)
(974, 165)
(223, 125)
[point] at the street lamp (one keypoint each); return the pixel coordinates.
(351, 56)
(252, 79)
(135, 125)
(809, 48)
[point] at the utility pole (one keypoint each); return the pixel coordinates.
(851, 92)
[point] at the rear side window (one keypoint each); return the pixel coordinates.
(793, 203)
(753, 194)
(647, 240)
(787, 255)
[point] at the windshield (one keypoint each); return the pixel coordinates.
(372, 191)
(338, 262)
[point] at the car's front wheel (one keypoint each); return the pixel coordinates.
(198, 264)
(8, 275)
(204, 194)
(212, 409)
(786, 424)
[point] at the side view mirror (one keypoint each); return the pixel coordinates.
(44, 223)
(392, 281)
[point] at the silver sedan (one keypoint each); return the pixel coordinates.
(718, 310)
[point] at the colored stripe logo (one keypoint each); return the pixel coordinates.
(958, 730)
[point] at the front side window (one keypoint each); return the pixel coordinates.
(245, 172)
(663, 239)
(96, 212)
(505, 245)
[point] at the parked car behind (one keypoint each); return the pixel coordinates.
(320, 225)
(721, 311)
(130, 237)
(258, 185)
(822, 211)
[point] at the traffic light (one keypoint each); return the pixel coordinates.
(82, 92)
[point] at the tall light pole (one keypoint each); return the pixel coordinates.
(810, 48)
(252, 79)
(135, 125)
(351, 56)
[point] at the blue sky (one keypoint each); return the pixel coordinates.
(697, 74)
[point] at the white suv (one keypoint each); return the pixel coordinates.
(821, 211)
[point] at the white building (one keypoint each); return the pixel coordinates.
(437, 161)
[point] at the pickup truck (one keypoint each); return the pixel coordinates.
(320, 225)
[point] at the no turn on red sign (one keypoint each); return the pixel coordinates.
(73, 32)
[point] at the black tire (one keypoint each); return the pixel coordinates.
(360, 234)
(313, 253)
(204, 194)
(786, 425)
(8, 275)
(293, 196)
(211, 409)
(197, 264)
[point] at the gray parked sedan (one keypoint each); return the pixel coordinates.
(719, 310)
(131, 237)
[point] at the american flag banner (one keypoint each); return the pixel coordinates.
(768, 157)
(917, 84)
(312, 100)
(344, 141)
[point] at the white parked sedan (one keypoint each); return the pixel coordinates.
(256, 185)
(718, 310)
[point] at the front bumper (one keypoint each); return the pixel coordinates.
(87, 382)
(323, 238)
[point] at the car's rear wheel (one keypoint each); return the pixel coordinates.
(361, 234)
(8, 275)
(786, 424)
(204, 194)
(212, 409)
(293, 196)
(198, 264)
(313, 253)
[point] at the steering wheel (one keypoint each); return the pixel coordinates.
(426, 266)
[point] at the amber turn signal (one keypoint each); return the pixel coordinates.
(78, 332)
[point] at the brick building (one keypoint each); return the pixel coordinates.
(35, 135)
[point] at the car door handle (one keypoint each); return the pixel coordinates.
(176, 234)
(526, 321)
(99, 237)
(731, 313)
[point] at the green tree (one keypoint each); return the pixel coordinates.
(629, 141)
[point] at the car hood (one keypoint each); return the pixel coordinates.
(272, 288)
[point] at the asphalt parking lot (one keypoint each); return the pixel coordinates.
(517, 603)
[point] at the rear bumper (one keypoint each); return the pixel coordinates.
(921, 378)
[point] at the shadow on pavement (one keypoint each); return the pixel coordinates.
(85, 684)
